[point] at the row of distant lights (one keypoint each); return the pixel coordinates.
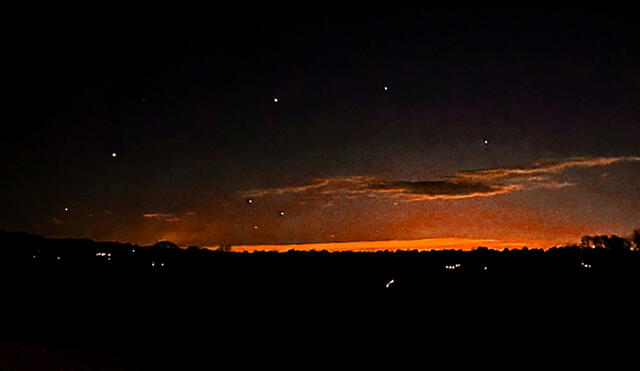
(36, 257)
(585, 265)
(108, 256)
(458, 266)
(104, 254)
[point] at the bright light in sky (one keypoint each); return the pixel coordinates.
(389, 283)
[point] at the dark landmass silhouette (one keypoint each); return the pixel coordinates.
(23, 252)
(146, 307)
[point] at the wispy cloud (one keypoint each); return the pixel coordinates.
(449, 189)
(320, 185)
(165, 217)
(465, 184)
(543, 168)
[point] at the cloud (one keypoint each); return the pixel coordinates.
(465, 184)
(543, 167)
(349, 186)
(443, 189)
(165, 217)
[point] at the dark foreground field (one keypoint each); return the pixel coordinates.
(76, 304)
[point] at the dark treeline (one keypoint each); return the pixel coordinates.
(26, 252)
(155, 304)
(34, 256)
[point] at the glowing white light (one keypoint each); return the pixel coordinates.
(485, 268)
(389, 283)
(255, 227)
(153, 264)
(133, 250)
(57, 257)
(386, 88)
(281, 213)
(162, 264)
(250, 201)
(486, 141)
(66, 209)
(34, 256)
(109, 254)
(114, 154)
(275, 100)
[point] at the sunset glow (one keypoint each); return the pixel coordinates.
(313, 137)
(395, 245)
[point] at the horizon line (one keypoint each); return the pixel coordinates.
(422, 244)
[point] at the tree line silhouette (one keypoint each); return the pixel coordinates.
(150, 300)
(18, 249)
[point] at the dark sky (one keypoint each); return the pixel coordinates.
(187, 105)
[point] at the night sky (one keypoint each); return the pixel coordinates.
(281, 125)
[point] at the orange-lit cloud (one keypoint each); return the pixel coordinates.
(338, 185)
(465, 184)
(165, 217)
(543, 167)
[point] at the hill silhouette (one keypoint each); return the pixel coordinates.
(161, 304)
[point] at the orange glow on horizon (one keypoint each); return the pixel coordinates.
(395, 245)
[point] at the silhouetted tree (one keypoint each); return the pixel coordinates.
(224, 248)
(618, 243)
(635, 237)
(603, 241)
(587, 242)
(166, 245)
